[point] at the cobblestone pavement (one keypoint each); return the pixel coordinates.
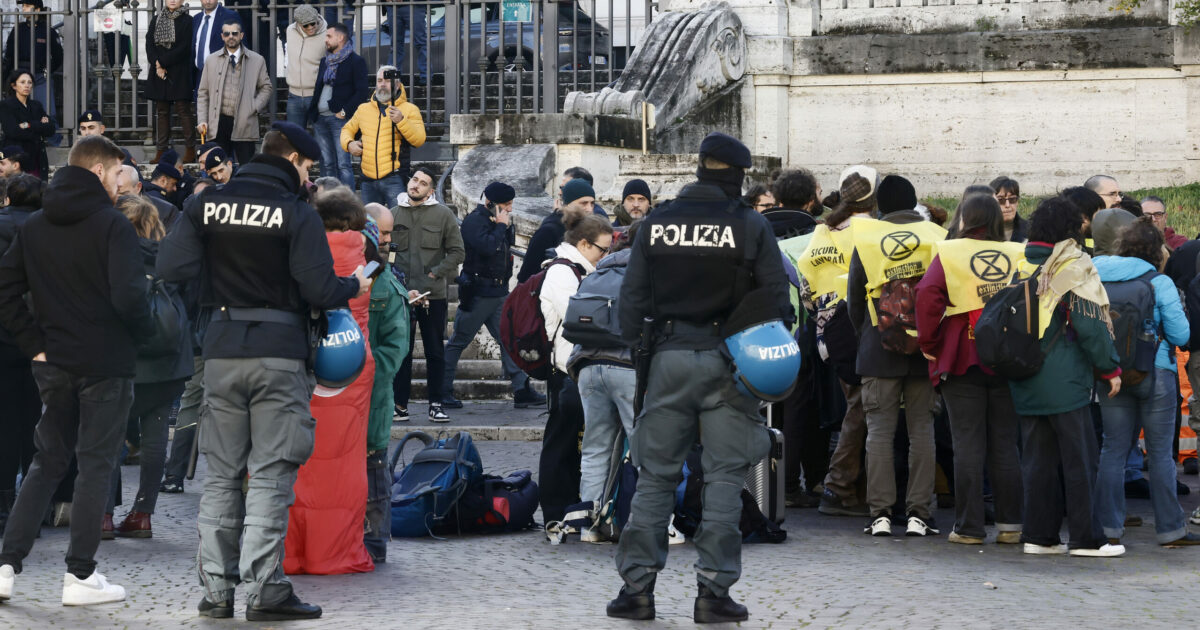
(828, 574)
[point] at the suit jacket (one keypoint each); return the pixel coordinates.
(254, 92)
(215, 43)
(350, 88)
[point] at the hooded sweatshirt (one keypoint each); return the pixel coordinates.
(79, 258)
(1169, 319)
(304, 55)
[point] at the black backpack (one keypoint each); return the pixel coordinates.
(1131, 305)
(170, 321)
(1006, 334)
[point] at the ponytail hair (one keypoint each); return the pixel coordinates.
(588, 227)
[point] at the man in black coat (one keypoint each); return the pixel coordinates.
(79, 261)
(482, 287)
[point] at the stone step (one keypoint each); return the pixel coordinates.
(468, 369)
(485, 389)
(471, 352)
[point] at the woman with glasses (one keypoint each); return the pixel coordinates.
(1008, 194)
(587, 239)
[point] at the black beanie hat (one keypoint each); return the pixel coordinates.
(896, 193)
(636, 187)
(499, 192)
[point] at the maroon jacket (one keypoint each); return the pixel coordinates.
(1173, 239)
(949, 339)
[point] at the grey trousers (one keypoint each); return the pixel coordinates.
(881, 404)
(985, 430)
(259, 423)
(484, 312)
(845, 464)
(191, 407)
(691, 398)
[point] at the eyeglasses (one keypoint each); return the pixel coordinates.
(1155, 215)
(309, 25)
(230, 33)
(1115, 193)
(764, 206)
(1005, 201)
(593, 244)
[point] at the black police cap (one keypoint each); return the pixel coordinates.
(304, 143)
(499, 192)
(215, 158)
(726, 148)
(91, 115)
(166, 168)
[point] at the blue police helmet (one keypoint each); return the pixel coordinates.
(342, 354)
(766, 360)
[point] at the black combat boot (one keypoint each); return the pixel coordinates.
(633, 605)
(713, 609)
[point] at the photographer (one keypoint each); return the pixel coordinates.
(390, 127)
(488, 237)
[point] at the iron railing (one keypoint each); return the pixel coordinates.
(490, 56)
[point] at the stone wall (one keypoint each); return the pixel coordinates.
(954, 92)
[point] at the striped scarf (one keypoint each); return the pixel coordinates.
(164, 28)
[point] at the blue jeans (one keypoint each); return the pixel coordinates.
(403, 18)
(607, 392)
(334, 161)
(1151, 405)
(485, 311)
(297, 110)
(386, 189)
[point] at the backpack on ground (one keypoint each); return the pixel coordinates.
(591, 319)
(1006, 334)
(610, 516)
(495, 504)
(897, 315)
(523, 327)
(689, 507)
(428, 487)
(1131, 305)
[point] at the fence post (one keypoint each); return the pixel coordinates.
(452, 57)
(71, 74)
(549, 56)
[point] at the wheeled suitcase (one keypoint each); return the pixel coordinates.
(764, 480)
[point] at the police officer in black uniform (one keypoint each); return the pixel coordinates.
(265, 264)
(693, 261)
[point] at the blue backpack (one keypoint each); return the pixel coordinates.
(425, 489)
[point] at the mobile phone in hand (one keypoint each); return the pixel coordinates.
(419, 297)
(372, 269)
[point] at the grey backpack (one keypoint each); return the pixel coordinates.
(591, 319)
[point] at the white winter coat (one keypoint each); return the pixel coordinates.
(557, 288)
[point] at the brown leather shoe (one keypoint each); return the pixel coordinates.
(158, 157)
(189, 155)
(135, 525)
(106, 529)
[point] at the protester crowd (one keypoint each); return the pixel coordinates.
(898, 407)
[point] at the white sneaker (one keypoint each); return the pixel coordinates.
(1107, 551)
(918, 527)
(881, 526)
(7, 578)
(437, 415)
(1045, 550)
(1194, 519)
(674, 536)
(94, 590)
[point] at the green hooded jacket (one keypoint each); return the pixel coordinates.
(1066, 379)
(388, 331)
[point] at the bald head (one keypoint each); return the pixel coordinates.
(1105, 186)
(382, 217)
(129, 182)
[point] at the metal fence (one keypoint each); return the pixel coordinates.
(457, 56)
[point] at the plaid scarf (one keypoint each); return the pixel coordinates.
(333, 60)
(164, 28)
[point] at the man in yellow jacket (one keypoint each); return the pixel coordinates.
(388, 127)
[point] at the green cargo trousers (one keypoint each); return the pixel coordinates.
(258, 423)
(691, 397)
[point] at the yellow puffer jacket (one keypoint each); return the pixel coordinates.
(379, 133)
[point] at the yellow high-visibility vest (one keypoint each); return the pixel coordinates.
(891, 251)
(976, 270)
(825, 262)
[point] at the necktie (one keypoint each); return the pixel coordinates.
(202, 44)
(232, 61)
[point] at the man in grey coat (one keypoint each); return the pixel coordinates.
(225, 110)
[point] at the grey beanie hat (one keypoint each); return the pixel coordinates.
(306, 14)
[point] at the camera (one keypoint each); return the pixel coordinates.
(392, 247)
(391, 75)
